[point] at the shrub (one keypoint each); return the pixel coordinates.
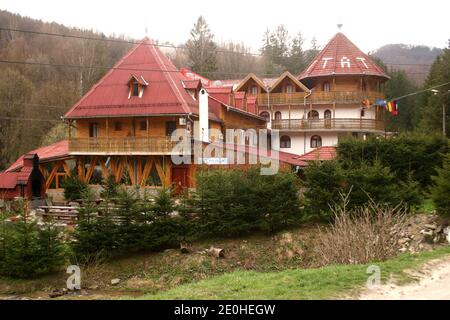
(27, 250)
(322, 183)
(404, 155)
(440, 190)
(232, 202)
(74, 188)
(363, 234)
(374, 182)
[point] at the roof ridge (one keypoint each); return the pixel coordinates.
(132, 50)
(169, 78)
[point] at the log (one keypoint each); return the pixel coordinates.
(184, 247)
(217, 252)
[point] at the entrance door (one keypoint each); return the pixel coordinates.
(180, 178)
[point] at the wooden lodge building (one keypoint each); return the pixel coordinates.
(122, 126)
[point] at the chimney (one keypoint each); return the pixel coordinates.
(30, 160)
(203, 110)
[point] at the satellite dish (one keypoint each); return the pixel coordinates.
(217, 83)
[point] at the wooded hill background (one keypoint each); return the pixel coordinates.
(34, 97)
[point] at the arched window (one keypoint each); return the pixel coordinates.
(326, 86)
(313, 114)
(285, 142)
(265, 115)
(316, 141)
(327, 114)
(278, 115)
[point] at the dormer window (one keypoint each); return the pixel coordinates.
(135, 89)
(136, 86)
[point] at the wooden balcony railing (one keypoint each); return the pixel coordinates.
(125, 145)
(328, 124)
(319, 97)
(265, 99)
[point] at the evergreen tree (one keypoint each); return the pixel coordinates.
(400, 85)
(440, 191)
(297, 61)
(202, 49)
(312, 52)
(431, 114)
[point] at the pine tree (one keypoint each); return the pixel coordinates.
(296, 55)
(202, 49)
(312, 52)
(440, 191)
(432, 103)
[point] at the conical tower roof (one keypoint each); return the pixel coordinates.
(164, 91)
(341, 57)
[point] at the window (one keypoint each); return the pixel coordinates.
(313, 114)
(93, 130)
(285, 142)
(278, 115)
(265, 115)
(135, 89)
(327, 114)
(117, 126)
(288, 88)
(363, 112)
(143, 125)
(326, 86)
(316, 141)
(254, 90)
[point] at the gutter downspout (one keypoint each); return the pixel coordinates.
(304, 117)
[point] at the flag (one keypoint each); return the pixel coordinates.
(392, 107)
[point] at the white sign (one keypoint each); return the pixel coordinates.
(213, 161)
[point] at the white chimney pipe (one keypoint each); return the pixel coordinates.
(203, 116)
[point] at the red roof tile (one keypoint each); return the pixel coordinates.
(341, 57)
(319, 154)
(47, 153)
(165, 93)
(8, 180)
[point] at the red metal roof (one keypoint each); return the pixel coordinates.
(165, 93)
(341, 57)
(8, 180)
(285, 157)
(47, 153)
(319, 154)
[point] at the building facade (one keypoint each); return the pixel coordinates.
(123, 126)
(334, 97)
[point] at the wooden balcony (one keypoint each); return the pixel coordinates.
(265, 99)
(319, 97)
(119, 146)
(365, 125)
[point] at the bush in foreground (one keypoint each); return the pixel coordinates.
(28, 250)
(360, 235)
(440, 190)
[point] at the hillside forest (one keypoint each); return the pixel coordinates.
(42, 75)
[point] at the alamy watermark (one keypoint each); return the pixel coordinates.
(240, 147)
(374, 279)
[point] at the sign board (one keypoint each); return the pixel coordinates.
(213, 161)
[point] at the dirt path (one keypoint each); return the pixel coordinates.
(434, 284)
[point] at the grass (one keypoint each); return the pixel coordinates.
(427, 206)
(320, 283)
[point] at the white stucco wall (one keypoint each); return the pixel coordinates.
(301, 142)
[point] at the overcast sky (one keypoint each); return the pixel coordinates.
(369, 24)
